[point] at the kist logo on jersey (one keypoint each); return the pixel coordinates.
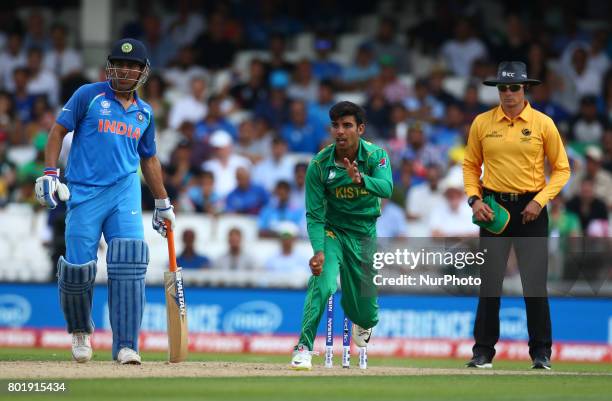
(126, 47)
(118, 128)
(382, 163)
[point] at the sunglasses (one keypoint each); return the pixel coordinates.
(513, 88)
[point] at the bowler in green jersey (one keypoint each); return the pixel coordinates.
(344, 185)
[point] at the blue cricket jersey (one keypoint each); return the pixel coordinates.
(108, 140)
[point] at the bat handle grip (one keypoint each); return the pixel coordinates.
(171, 250)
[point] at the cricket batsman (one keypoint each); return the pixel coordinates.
(344, 186)
(113, 133)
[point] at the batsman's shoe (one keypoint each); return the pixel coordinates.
(81, 347)
(302, 359)
(128, 356)
(361, 336)
(480, 361)
(541, 362)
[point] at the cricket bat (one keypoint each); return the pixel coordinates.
(176, 308)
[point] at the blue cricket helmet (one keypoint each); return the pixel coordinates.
(127, 49)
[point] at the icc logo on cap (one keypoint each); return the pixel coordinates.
(126, 47)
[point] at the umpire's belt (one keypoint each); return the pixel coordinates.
(509, 196)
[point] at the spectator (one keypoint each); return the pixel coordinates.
(191, 108)
(275, 168)
(562, 223)
(279, 210)
(323, 67)
(36, 34)
(600, 178)
(541, 101)
(471, 103)
(201, 197)
(160, 47)
(393, 88)
(302, 134)
(423, 106)
(392, 221)
(460, 52)
(183, 70)
(216, 52)
(23, 101)
(319, 110)
(435, 85)
(398, 134)
(180, 171)
(42, 82)
(420, 152)
(402, 184)
(453, 216)
(604, 102)
(448, 133)
(421, 201)
(304, 86)
(358, 75)
(235, 259)
(587, 206)
(12, 57)
(277, 61)
(186, 25)
(288, 260)
(225, 163)
(385, 45)
(275, 109)
(514, 45)
(154, 92)
(297, 196)
(189, 258)
(7, 114)
(606, 144)
(246, 198)
(255, 89)
(61, 59)
(7, 172)
(378, 110)
(214, 120)
(588, 126)
(584, 79)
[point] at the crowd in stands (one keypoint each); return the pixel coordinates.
(239, 141)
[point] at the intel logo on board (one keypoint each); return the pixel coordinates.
(15, 310)
(260, 317)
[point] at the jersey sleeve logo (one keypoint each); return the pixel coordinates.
(382, 163)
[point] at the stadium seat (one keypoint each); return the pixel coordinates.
(355, 97)
(455, 86)
(368, 24)
(488, 94)
(303, 44)
(243, 58)
(347, 43)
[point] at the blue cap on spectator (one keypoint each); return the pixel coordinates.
(279, 79)
(323, 44)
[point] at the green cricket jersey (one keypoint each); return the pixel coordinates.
(333, 200)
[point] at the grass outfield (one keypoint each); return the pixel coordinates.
(428, 387)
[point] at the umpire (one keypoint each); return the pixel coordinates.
(511, 140)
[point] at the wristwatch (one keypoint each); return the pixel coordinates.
(473, 199)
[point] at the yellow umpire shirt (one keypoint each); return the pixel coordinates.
(513, 151)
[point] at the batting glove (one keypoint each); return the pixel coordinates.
(50, 190)
(163, 211)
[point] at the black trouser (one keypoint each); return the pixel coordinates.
(531, 247)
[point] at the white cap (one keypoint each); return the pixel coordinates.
(593, 152)
(453, 180)
(220, 139)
